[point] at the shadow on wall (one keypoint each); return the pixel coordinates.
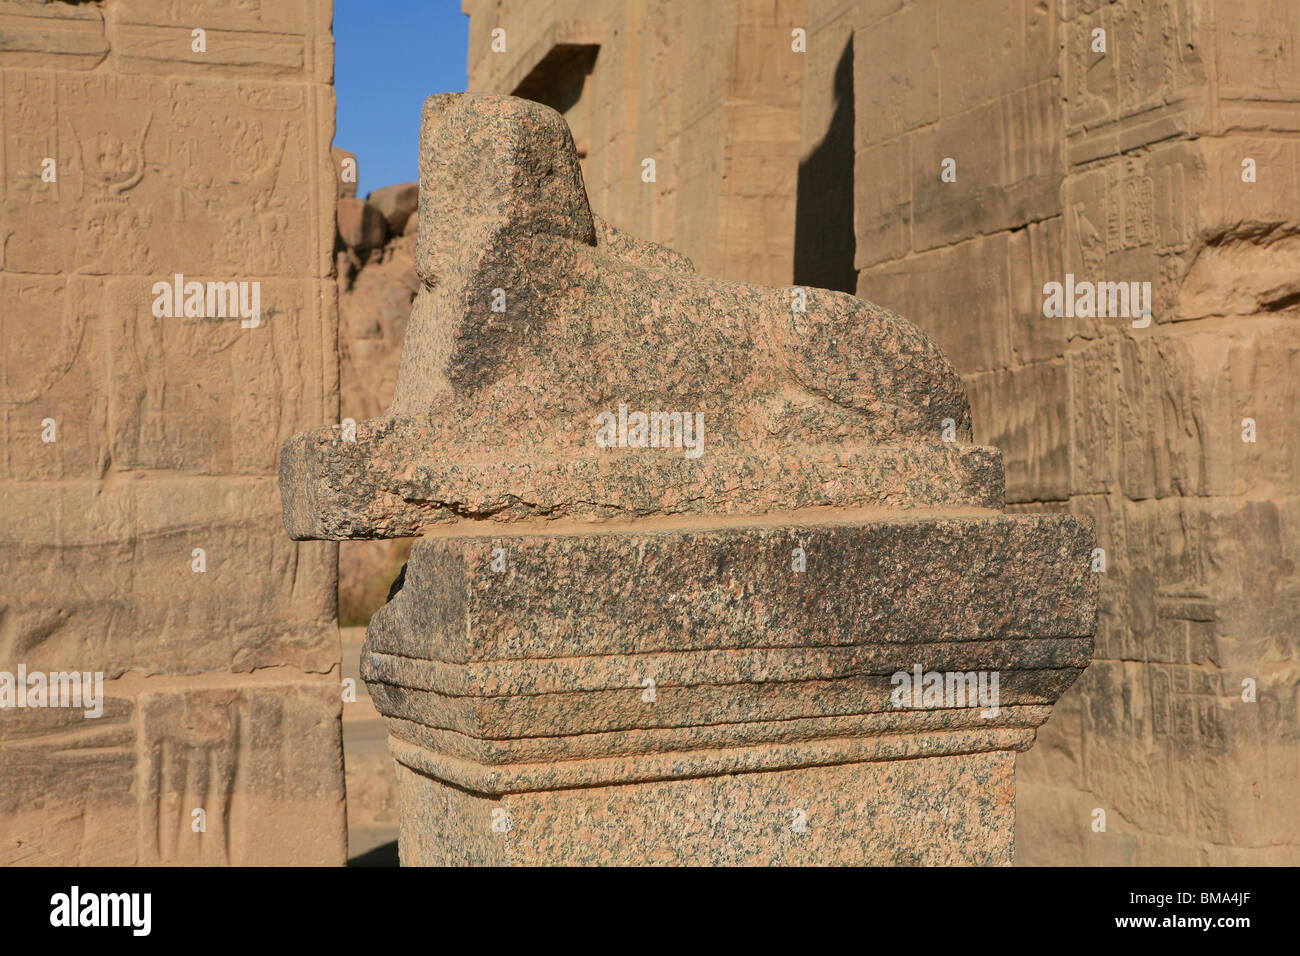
(823, 224)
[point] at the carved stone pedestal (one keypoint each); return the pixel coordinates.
(728, 695)
(804, 634)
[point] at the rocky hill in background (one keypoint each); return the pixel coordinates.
(375, 258)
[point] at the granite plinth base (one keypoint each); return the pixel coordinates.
(936, 811)
(728, 695)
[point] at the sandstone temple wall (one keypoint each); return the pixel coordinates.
(709, 90)
(1123, 165)
(141, 535)
(1171, 156)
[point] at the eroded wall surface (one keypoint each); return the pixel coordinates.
(141, 537)
(1109, 141)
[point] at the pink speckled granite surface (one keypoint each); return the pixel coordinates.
(557, 576)
(940, 811)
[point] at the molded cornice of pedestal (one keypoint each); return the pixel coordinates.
(535, 677)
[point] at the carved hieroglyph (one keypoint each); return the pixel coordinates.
(129, 157)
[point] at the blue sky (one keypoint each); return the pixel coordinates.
(388, 56)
